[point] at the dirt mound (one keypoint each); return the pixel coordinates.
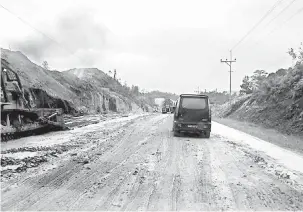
(87, 90)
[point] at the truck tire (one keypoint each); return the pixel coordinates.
(207, 134)
(176, 134)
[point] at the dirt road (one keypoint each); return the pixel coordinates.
(141, 166)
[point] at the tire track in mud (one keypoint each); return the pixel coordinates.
(27, 197)
(116, 191)
(142, 199)
(65, 174)
(186, 195)
(251, 186)
(130, 147)
(143, 186)
(75, 142)
(291, 178)
(270, 188)
(196, 183)
(144, 168)
(145, 191)
(176, 191)
(90, 191)
(202, 173)
(244, 199)
(59, 178)
(223, 195)
(161, 195)
(177, 181)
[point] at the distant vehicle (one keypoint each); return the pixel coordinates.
(167, 108)
(172, 109)
(155, 109)
(192, 115)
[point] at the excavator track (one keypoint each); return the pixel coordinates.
(36, 129)
(25, 123)
(15, 135)
(18, 117)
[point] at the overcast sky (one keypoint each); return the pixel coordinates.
(163, 45)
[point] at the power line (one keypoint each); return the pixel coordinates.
(285, 22)
(282, 11)
(42, 33)
(279, 26)
(257, 24)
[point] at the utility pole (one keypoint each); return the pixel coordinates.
(229, 63)
(198, 91)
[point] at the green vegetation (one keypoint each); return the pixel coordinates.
(284, 84)
(216, 97)
(273, 100)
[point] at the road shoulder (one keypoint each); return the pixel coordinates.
(290, 142)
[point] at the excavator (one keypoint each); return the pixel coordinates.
(18, 118)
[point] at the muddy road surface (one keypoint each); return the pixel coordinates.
(140, 166)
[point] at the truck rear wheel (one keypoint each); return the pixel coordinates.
(176, 134)
(207, 134)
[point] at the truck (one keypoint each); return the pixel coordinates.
(192, 115)
(167, 106)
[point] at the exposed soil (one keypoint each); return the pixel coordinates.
(137, 164)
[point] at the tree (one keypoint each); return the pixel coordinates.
(109, 72)
(246, 86)
(292, 53)
(281, 72)
(257, 78)
(135, 90)
(167, 101)
(115, 73)
(297, 55)
(45, 65)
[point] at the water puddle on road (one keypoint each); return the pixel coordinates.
(20, 155)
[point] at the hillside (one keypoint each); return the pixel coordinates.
(89, 90)
(151, 96)
(217, 98)
(275, 102)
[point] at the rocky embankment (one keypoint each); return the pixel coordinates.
(88, 90)
(286, 119)
(277, 102)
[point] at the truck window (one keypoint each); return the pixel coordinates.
(177, 106)
(194, 103)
